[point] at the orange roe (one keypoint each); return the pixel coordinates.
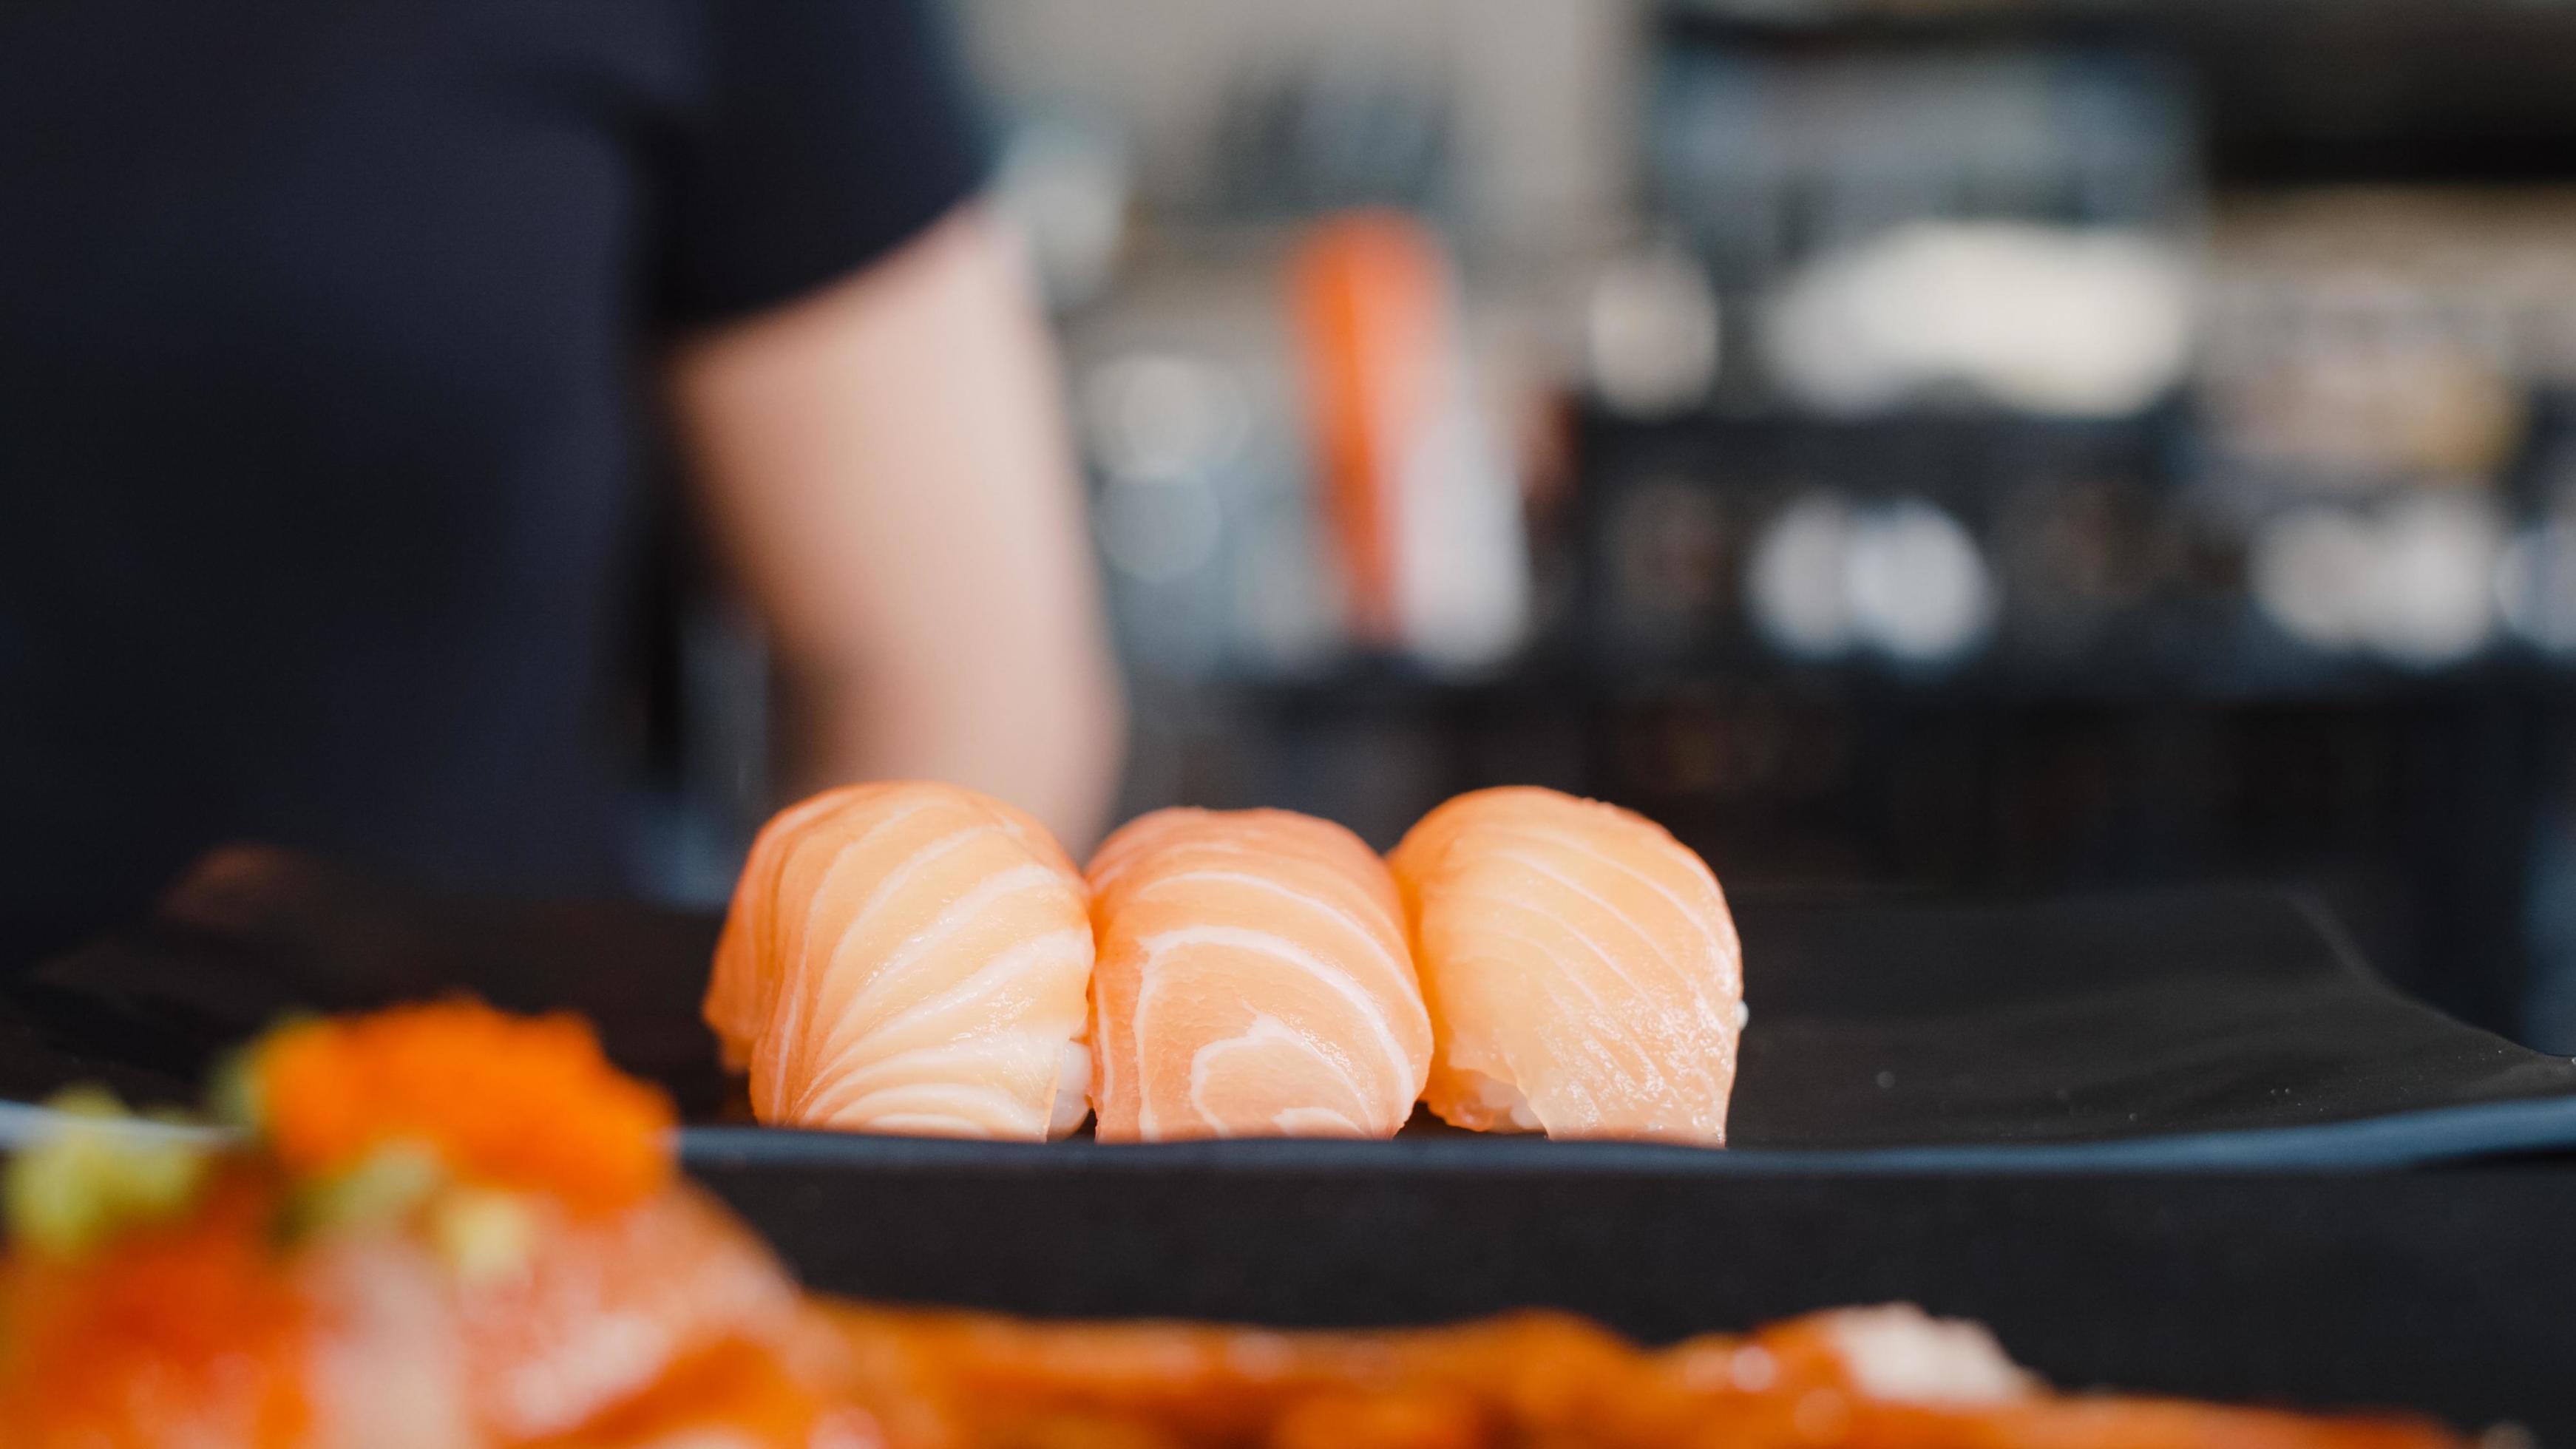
(187, 1332)
(523, 1103)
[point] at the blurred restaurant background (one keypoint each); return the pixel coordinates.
(1966, 449)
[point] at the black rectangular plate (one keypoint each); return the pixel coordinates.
(2201, 1029)
(2192, 1028)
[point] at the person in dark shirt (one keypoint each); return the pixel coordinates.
(331, 336)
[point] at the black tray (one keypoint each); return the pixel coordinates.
(2202, 1029)
(2206, 1028)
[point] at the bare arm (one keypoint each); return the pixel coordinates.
(885, 466)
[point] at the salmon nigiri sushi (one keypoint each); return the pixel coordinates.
(1253, 982)
(908, 957)
(1580, 965)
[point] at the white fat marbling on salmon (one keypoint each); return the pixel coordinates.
(1369, 1008)
(1253, 1048)
(906, 957)
(1581, 967)
(1318, 1122)
(1378, 939)
(1254, 980)
(992, 1049)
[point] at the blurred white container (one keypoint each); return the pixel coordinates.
(2412, 581)
(1903, 579)
(2051, 320)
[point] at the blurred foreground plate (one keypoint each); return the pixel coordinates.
(2443, 1293)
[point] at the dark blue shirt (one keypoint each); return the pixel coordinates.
(326, 344)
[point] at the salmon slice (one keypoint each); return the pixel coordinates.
(1580, 965)
(907, 957)
(1253, 982)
